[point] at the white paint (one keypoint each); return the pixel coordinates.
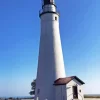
(60, 92)
(50, 62)
(65, 92)
(70, 90)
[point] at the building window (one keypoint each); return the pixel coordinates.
(79, 90)
(55, 18)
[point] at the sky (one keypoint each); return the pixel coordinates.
(19, 43)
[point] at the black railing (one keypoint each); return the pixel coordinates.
(42, 11)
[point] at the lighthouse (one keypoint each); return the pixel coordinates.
(50, 60)
(51, 78)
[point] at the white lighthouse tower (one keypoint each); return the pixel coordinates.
(50, 61)
(51, 81)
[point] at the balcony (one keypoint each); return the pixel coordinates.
(48, 10)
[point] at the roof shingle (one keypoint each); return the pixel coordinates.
(63, 81)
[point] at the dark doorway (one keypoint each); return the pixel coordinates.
(75, 92)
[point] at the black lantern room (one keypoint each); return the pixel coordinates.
(46, 2)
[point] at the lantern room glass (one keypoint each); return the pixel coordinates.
(45, 2)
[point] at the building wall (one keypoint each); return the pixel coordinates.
(70, 90)
(60, 92)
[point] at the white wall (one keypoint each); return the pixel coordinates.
(60, 92)
(50, 62)
(70, 91)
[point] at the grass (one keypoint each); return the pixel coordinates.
(91, 96)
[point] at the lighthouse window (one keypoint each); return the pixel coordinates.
(55, 18)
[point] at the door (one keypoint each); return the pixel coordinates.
(75, 92)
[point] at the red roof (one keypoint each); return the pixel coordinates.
(64, 81)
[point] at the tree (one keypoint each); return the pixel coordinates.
(33, 85)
